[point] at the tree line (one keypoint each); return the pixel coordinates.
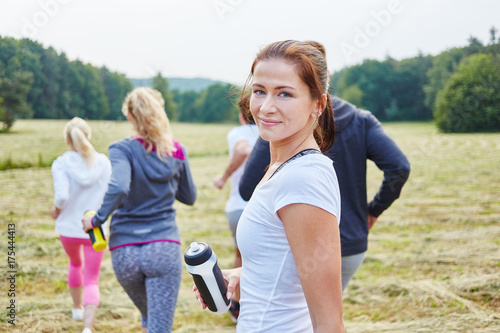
(38, 82)
(459, 88)
(215, 104)
(455, 87)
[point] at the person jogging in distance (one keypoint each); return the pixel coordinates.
(150, 171)
(81, 178)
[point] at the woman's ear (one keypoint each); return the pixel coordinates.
(319, 106)
(128, 116)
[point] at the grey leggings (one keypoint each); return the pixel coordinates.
(350, 265)
(151, 276)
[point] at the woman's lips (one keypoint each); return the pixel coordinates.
(269, 122)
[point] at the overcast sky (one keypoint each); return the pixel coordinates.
(218, 39)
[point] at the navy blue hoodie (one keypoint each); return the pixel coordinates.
(141, 194)
(359, 136)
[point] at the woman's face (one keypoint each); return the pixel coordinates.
(281, 103)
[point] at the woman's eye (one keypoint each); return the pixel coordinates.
(285, 94)
(259, 92)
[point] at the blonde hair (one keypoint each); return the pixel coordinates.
(77, 132)
(146, 108)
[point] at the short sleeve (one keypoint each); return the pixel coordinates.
(235, 135)
(312, 181)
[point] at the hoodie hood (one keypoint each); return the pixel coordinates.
(74, 164)
(343, 112)
(154, 168)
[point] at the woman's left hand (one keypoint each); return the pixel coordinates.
(87, 223)
(54, 212)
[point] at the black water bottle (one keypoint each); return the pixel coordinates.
(201, 263)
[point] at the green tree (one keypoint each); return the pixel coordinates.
(60, 88)
(407, 90)
(17, 57)
(215, 105)
(94, 96)
(493, 32)
(14, 92)
(116, 86)
(2, 109)
(353, 95)
(443, 66)
(470, 100)
(188, 109)
(47, 101)
(30, 54)
(87, 98)
(64, 95)
(161, 84)
(474, 46)
(374, 79)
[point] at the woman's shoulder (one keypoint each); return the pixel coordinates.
(309, 168)
(124, 145)
(243, 130)
(68, 156)
(180, 151)
(123, 142)
(314, 160)
(103, 158)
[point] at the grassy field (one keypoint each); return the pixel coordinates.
(433, 263)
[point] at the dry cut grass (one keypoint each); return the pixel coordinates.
(433, 263)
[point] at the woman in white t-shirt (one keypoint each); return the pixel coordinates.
(240, 141)
(81, 178)
(288, 234)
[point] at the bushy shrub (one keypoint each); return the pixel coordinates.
(470, 100)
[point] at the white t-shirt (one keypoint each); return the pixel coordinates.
(272, 299)
(250, 134)
(78, 188)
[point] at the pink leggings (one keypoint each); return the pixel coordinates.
(76, 273)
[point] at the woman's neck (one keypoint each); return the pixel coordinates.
(282, 151)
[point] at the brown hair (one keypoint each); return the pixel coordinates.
(244, 105)
(312, 69)
(320, 47)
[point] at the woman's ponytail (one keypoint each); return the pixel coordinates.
(77, 132)
(325, 132)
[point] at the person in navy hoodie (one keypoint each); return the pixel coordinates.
(149, 172)
(359, 137)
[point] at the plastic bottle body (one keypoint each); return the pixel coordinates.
(96, 234)
(201, 263)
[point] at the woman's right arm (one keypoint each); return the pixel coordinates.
(186, 192)
(119, 185)
(255, 168)
(314, 238)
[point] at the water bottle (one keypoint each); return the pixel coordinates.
(201, 263)
(96, 234)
